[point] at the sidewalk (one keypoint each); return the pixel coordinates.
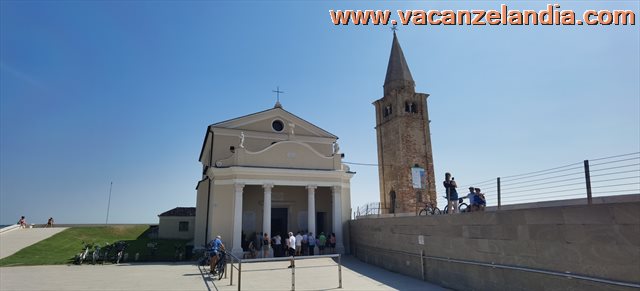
(14, 240)
(316, 274)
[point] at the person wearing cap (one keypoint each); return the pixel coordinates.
(216, 247)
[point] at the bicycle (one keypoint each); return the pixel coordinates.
(462, 207)
(429, 209)
(221, 264)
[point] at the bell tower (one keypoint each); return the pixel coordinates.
(405, 158)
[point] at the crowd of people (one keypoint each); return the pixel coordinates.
(301, 243)
(477, 201)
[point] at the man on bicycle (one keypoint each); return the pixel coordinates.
(216, 247)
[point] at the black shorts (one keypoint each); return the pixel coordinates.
(292, 252)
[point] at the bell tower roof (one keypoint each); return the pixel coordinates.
(398, 73)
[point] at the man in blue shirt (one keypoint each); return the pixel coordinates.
(216, 247)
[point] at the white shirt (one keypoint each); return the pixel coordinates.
(298, 240)
(292, 241)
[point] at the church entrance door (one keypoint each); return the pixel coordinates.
(279, 222)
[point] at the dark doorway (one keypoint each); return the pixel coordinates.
(320, 223)
(279, 222)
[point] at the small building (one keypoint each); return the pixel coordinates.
(177, 223)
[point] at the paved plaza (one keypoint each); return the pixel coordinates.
(311, 274)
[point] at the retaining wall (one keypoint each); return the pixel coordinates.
(599, 241)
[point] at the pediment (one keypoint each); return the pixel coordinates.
(263, 122)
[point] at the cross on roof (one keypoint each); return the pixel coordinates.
(394, 28)
(277, 91)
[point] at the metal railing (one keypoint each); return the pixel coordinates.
(424, 257)
(608, 176)
(239, 262)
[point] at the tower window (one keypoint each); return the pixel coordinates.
(410, 107)
(387, 110)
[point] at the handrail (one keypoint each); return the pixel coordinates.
(293, 272)
(234, 258)
(508, 267)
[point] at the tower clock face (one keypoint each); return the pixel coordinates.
(277, 125)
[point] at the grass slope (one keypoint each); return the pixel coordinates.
(62, 247)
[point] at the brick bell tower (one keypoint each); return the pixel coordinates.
(404, 140)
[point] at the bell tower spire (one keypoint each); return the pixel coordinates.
(398, 73)
(405, 159)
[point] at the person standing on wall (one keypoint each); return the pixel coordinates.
(452, 195)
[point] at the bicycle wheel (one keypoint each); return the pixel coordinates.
(220, 268)
(446, 209)
(436, 211)
(463, 207)
(423, 212)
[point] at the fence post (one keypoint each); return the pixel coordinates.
(422, 263)
(379, 210)
(499, 194)
(225, 273)
(339, 272)
(239, 275)
(293, 274)
(587, 178)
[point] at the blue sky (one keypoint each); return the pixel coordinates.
(100, 91)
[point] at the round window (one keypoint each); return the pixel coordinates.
(277, 125)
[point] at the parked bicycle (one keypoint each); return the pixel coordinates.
(429, 209)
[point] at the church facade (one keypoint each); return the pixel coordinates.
(272, 172)
(405, 158)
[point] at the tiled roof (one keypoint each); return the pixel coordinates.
(180, 211)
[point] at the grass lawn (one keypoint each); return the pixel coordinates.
(62, 247)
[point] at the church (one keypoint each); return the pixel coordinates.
(271, 172)
(274, 172)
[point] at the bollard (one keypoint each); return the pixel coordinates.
(137, 256)
(126, 257)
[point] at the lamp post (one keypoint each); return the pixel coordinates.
(109, 203)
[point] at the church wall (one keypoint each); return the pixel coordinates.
(253, 144)
(201, 214)
(221, 222)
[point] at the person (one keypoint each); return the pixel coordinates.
(298, 244)
(216, 247)
(312, 243)
(22, 222)
(50, 222)
(472, 200)
(292, 250)
(252, 252)
(452, 195)
(480, 201)
(332, 242)
(305, 244)
(322, 242)
(266, 242)
(277, 249)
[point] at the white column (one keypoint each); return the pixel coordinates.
(311, 209)
(266, 211)
(337, 217)
(237, 221)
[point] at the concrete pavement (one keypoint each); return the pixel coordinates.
(310, 274)
(316, 274)
(17, 239)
